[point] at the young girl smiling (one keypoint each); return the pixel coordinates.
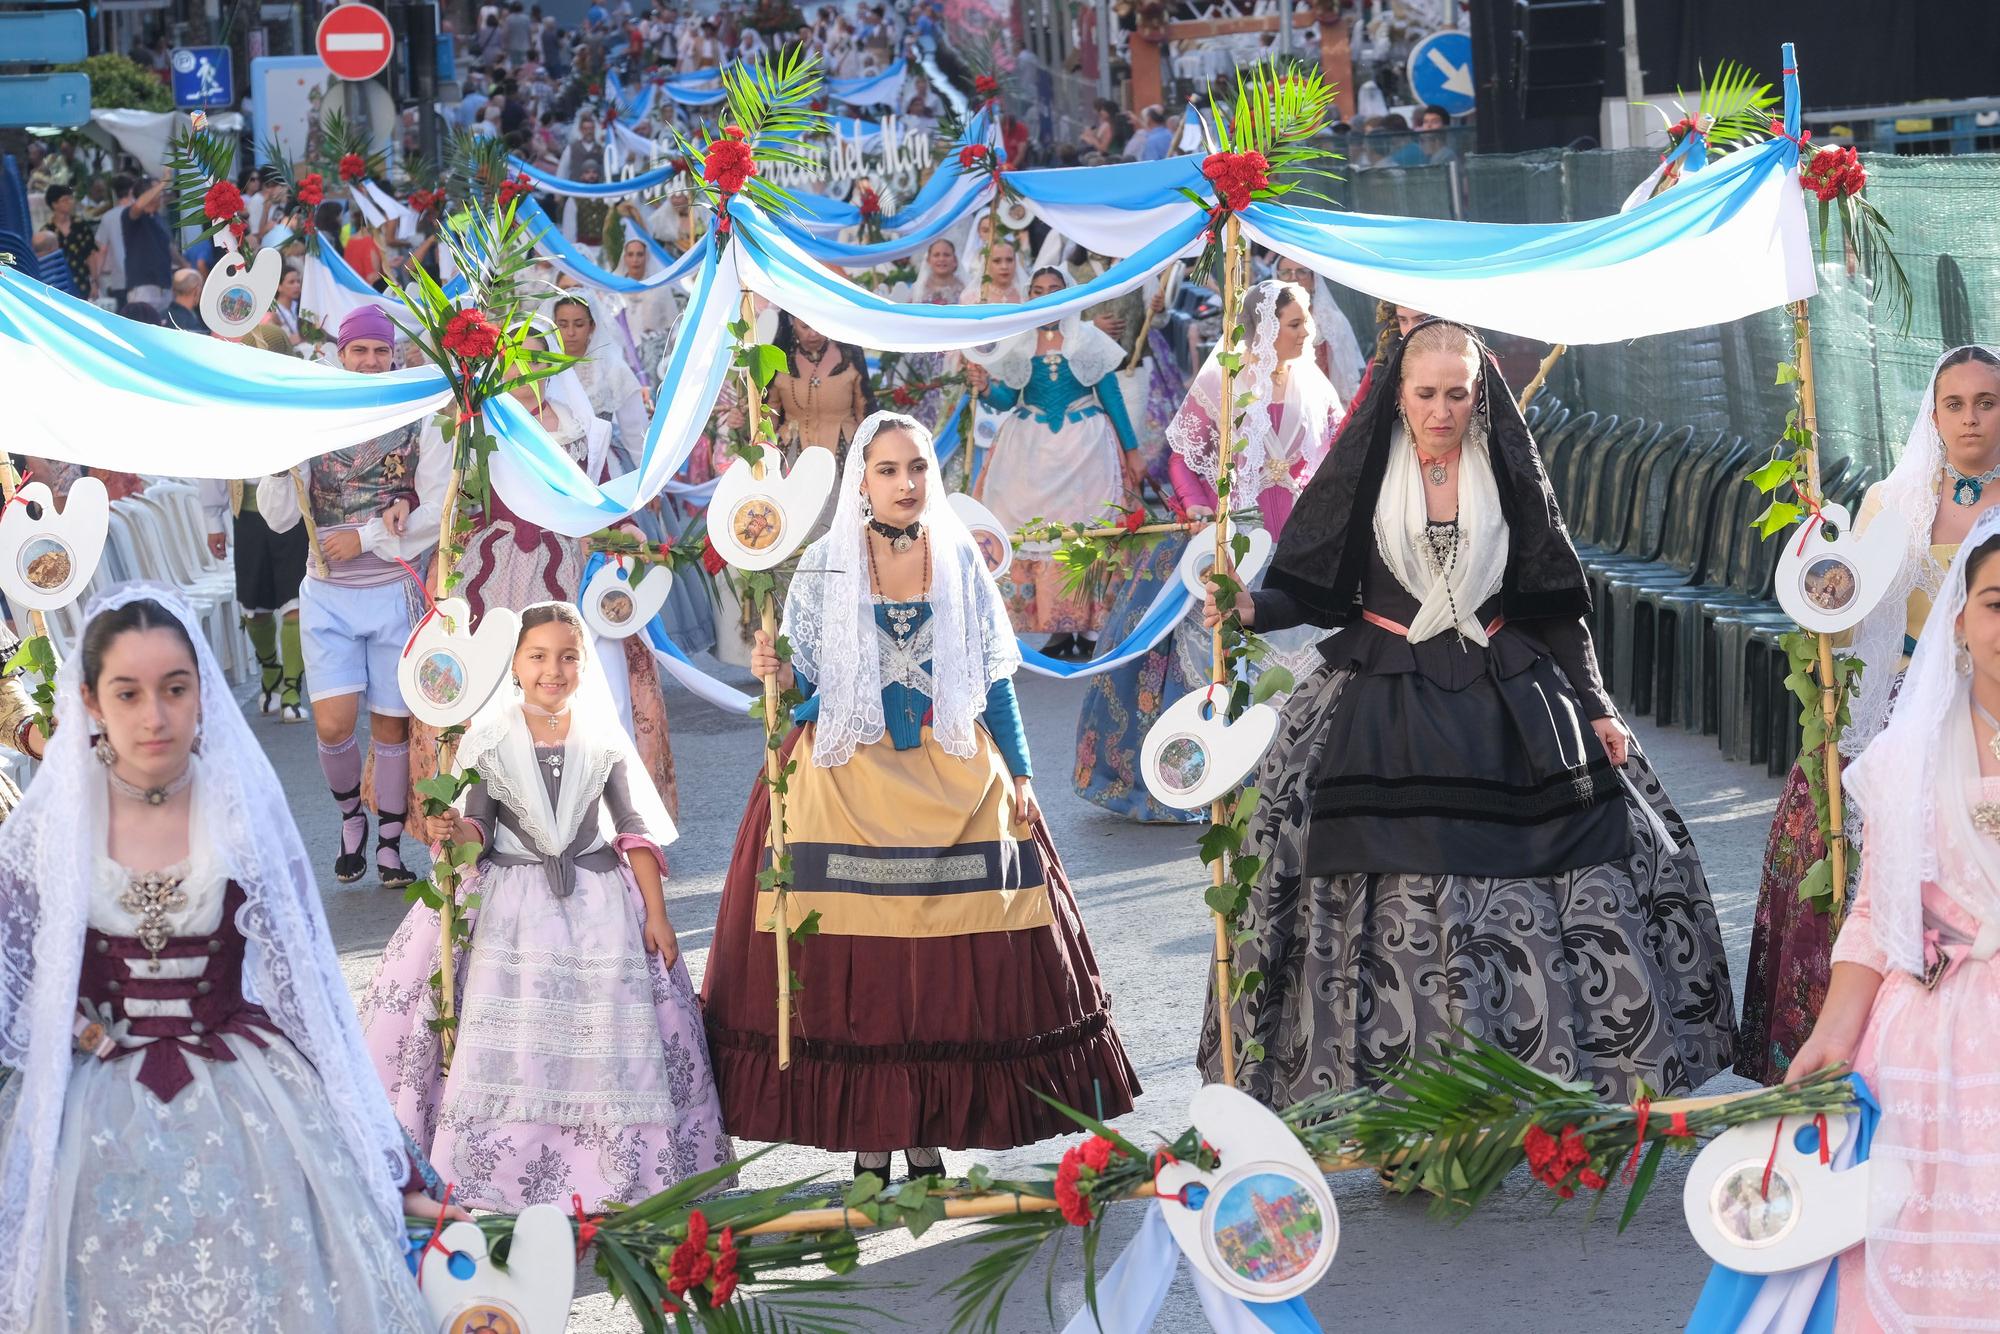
(580, 1066)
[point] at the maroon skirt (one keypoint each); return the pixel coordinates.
(897, 1043)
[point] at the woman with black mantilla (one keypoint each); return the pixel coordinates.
(1448, 841)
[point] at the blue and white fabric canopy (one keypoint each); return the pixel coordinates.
(703, 88)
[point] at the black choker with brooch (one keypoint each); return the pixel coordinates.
(900, 539)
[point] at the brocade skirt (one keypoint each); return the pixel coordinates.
(909, 1040)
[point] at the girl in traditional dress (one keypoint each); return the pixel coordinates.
(1942, 482)
(1282, 438)
(194, 1126)
(580, 1066)
(1456, 831)
(1065, 452)
(1915, 996)
(950, 978)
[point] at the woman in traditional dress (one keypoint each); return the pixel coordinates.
(1915, 996)
(172, 1149)
(1282, 438)
(1941, 483)
(1064, 452)
(1456, 832)
(950, 979)
(650, 316)
(940, 284)
(580, 1065)
(1000, 282)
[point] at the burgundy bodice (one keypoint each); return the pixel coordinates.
(115, 971)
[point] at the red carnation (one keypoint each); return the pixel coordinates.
(871, 203)
(691, 1266)
(735, 132)
(1591, 1179)
(817, 104)
(311, 190)
(986, 86)
(1075, 1208)
(726, 1277)
(1833, 173)
(711, 559)
(513, 189)
(353, 167)
(1540, 1146)
(902, 397)
(729, 163)
(223, 200)
(237, 228)
(596, 90)
(678, 165)
(1096, 1153)
(1236, 176)
(471, 336)
(973, 154)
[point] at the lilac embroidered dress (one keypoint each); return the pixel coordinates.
(580, 1065)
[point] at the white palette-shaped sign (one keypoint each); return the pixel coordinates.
(616, 608)
(236, 295)
(995, 543)
(755, 523)
(1828, 584)
(449, 669)
(1192, 755)
(467, 1293)
(47, 562)
(1263, 1225)
(1804, 1213)
(1199, 559)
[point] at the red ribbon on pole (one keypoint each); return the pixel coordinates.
(1644, 1109)
(437, 1226)
(586, 1225)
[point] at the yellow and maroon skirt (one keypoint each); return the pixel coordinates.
(950, 978)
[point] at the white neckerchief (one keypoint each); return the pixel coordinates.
(1481, 564)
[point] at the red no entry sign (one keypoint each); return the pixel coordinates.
(355, 41)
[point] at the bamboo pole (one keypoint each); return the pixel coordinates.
(1218, 812)
(444, 874)
(767, 610)
(1829, 689)
(10, 482)
(997, 1203)
(1541, 376)
(1168, 282)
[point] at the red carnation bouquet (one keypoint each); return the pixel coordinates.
(729, 162)
(472, 337)
(311, 192)
(1237, 177)
(513, 188)
(1833, 173)
(353, 167)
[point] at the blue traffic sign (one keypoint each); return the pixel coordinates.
(50, 37)
(1441, 72)
(203, 77)
(45, 99)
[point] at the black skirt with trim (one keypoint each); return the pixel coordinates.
(1449, 758)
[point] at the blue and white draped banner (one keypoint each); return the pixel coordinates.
(1131, 1294)
(696, 88)
(648, 182)
(1113, 209)
(329, 289)
(873, 90)
(564, 253)
(86, 386)
(632, 106)
(1800, 1301)
(1729, 241)
(1170, 604)
(968, 193)
(625, 147)
(540, 482)
(774, 266)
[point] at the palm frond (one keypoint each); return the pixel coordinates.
(342, 139)
(475, 167)
(197, 159)
(1737, 105)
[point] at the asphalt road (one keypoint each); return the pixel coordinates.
(1515, 1266)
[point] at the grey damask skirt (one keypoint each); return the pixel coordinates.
(1610, 974)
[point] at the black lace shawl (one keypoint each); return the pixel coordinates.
(1331, 531)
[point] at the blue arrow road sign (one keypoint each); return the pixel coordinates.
(1441, 72)
(45, 99)
(203, 77)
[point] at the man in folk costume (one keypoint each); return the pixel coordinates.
(584, 219)
(377, 507)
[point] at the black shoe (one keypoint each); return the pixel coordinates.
(935, 1170)
(350, 866)
(1086, 647)
(880, 1173)
(1060, 646)
(393, 875)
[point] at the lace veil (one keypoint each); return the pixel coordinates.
(499, 744)
(1309, 412)
(1091, 352)
(47, 866)
(830, 616)
(1911, 489)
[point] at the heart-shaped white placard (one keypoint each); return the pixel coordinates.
(1829, 584)
(995, 543)
(754, 523)
(449, 669)
(1807, 1213)
(1192, 754)
(237, 295)
(616, 608)
(468, 1294)
(1199, 558)
(1263, 1224)
(46, 563)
